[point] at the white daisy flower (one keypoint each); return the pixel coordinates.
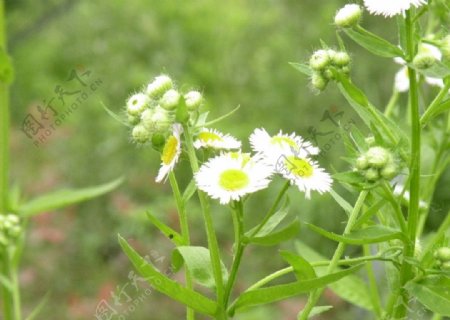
(232, 175)
(171, 152)
(389, 8)
(272, 147)
(211, 138)
(304, 173)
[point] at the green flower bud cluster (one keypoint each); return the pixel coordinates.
(442, 256)
(152, 112)
(321, 63)
(10, 229)
(377, 163)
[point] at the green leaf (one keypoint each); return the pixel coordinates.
(273, 221)
(174, 236)
(315, 311)
(38, 308)
(341, 201)
(437, 109)
(350, 288)
(284, 291)
(372, 234)
(221, 117)
(198, 262)
(367, 214)
(115, 116)
(350, 177)
(6, 283)
(64, 198)
(166, 285)
(437, 70)
(302, 67)
(302, 268)
(6, 67)
(433, 294)
(190, 191)
(284, 234)
(374, 43)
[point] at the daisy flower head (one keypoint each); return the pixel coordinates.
(233, 175)
(211, 138)
(171, 152)
(303, 172)
(272, 147)
(390, 8)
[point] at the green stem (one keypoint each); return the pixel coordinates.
(239, 233)
(395, 205)
(272, 210)
(181, 208)
(373, 288)
(391, 104)
(287, 270)
(406, 272)
(315, 295)
(209, 225)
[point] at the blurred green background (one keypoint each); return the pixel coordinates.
(236, 53)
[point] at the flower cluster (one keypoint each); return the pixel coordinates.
(152, 111)
(442, 256)
(377, 163)
(9, 229)
(323, 62)
(232, 175)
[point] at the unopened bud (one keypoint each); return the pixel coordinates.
(319, 60)
(445, 47)
(378, 156)
(341, 59)
(424, 60)
(140, 134)
(442, 254)
(193, 100)
(371, 174)
(136, 104)
(318, 81)
(159, 86)
(370, 141)
(362, 163)
(170, 99)
(156, 120)
(348, 16)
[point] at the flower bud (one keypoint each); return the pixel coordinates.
(328, 74)
(445, 48)
(136, 104)
(370, 141)
(319, 60)
(156, 120)
(133, 120)
(348, 16)
(318, 81)
(362, 163)
(159, 86)
(193, 100)
(442, 254)
(424, 60)
(371, 174)
(158, 141)
(389, 171)
(341, 59)
(378, 157)
(170, 99)
(140, 134)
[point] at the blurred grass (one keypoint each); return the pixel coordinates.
(236, 53)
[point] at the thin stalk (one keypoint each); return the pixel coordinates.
(238, 217)
(373, 288)
(181, 208)
(406, 272)
(209, 225)
(4, 124)
(272, 210)
(391, 104)
(315, 295)
(325, 263)
(7, 294)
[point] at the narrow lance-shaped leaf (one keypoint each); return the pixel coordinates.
(435, 111)
(198, 262)
(372, 234)
(315, 311)
(374, 43)
(273, 221)
(302, 268)
(303, 68)
(174, 236)
(278, 236)
(284, 291)
(341, 201)
(64, 198)
(166, 285)
(435, 296)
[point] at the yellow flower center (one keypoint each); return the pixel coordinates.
(299, 167)
(170, 150)
(284, 140)
(209, 136)
(233, 179)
